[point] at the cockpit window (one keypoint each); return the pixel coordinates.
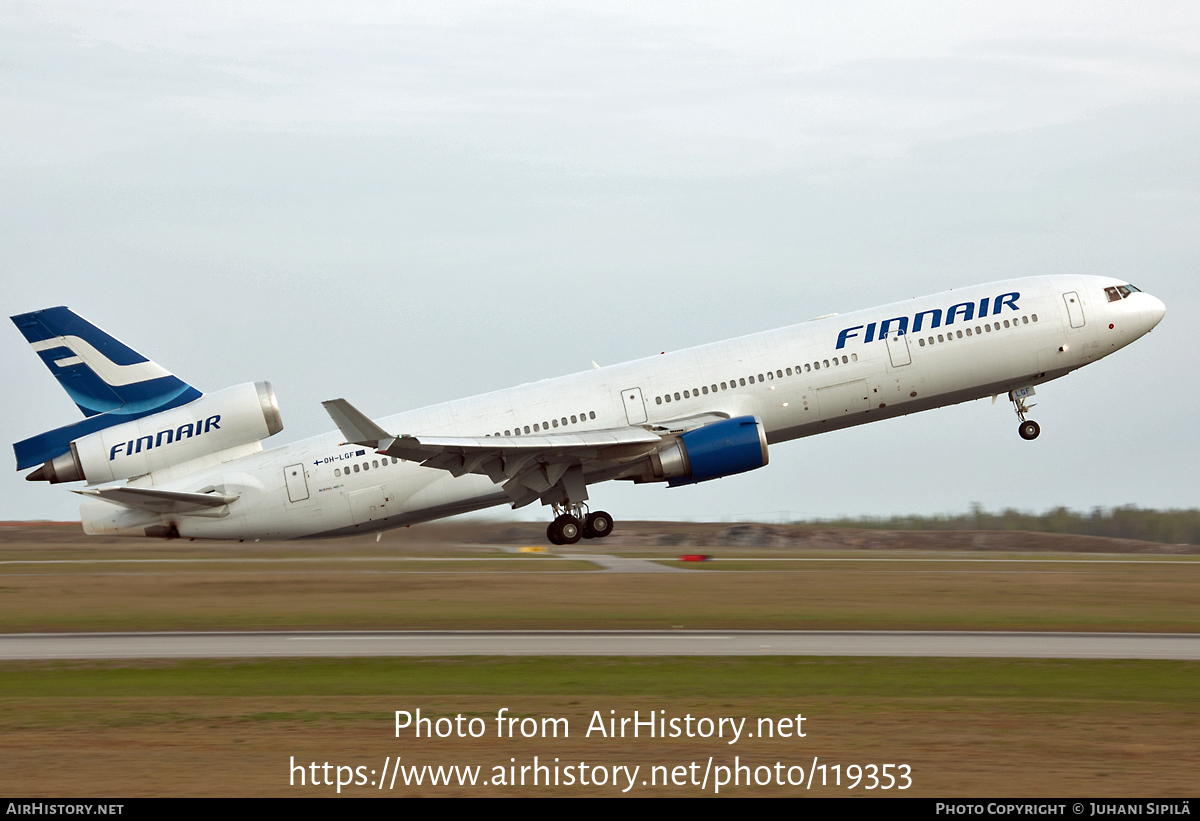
(1118, 292)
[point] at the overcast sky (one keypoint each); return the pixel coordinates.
(403, 204)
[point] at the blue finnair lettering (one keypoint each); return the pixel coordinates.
(846, 334)
(899, 325)
(152, 441)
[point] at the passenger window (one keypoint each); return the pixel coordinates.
(714, 387)
(1033, 317)
(356, 468)
(807, 368)
(968, 331)
(545, 426)
(374, 463)
(853, 357)
(742, 381)
(1006, 323)
(987, 328)
(816, 366)
(555, 421)
(574, 419)
(668, 397)
(536, 428)
(960, 333)
(591, 414)
(658, 400)
(337, 472)
(789, 371)
(751, 379)
(527, 428)
(1024, 320)
(835, 360)
(394, 460)
(977, 330)
(687, 395)
(940, 338)
(677, 397)
(760, 377)
(921, 342)
(695, 392)
(826, 363)
(564, 421)
(705, 389)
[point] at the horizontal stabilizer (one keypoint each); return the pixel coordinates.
(158, 501)
(355, 425)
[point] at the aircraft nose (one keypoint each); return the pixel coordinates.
(1155, 311)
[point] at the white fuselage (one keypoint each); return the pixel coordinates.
(795, 379)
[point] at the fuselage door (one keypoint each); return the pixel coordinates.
(297, 485)
(635, 408)
(1074, 309)
(897, 345)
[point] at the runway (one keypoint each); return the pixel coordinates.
(338, 644)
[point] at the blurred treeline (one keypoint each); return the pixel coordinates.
(1165, 526)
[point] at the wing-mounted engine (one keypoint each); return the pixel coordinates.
(723, 448)
(214, 422)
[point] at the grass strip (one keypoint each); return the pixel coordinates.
(1087, 679)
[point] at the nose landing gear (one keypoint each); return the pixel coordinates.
(1028, 429)
(571, 524)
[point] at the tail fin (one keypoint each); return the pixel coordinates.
(101, 374)
(109, 381)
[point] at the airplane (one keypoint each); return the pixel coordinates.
(159, 458)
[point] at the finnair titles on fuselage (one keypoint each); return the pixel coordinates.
(160, 458)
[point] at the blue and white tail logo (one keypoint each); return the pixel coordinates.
(109, 381)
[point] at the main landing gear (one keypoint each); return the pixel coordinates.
(572, 524)
(1028, 429)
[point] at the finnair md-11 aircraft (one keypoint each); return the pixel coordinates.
(162, 459)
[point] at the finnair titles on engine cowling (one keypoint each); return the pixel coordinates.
(160, 458)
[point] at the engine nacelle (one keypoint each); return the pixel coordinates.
(214, 422)
(720, 449)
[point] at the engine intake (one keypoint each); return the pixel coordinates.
(720, 449)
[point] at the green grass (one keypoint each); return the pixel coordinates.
(1110, 680)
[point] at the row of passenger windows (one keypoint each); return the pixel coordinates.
(374, 463)
(986, 328)
(553, 423)
(807, 367)
(742, 381)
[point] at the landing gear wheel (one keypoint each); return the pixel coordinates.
(1029, 430)
(566, 529)
(597, 525)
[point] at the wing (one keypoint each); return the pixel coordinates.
(540, 466)
(158, 501)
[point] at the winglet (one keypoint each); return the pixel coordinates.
(355, 425)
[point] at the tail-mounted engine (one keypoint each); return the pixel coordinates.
(214, 422)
